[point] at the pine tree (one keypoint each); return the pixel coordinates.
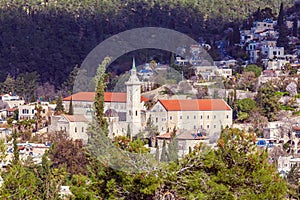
(48, 183)
(267, 101)
(9, 84)
(71, 110)
(19, 182)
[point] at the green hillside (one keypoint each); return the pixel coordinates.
(51, 37)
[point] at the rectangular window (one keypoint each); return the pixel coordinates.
(215, 126)
(207, 116)
(208, 126)
(82, 129)
(180, 117)
(214, 116)
(156, 119)
(75, 129)
(171, 117)
(188, 117)
(32, 111)
(227, 116)
(194, 126)
(194, 116)
(201, 117)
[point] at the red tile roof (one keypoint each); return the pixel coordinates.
(12, 109)
(297, 128)
(76, 118)
(108, 97)
(195, 104)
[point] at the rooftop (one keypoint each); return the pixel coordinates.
(195, 105)
(184, 136)
(108, 97)
(75, 118)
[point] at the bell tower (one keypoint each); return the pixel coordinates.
(133, 103)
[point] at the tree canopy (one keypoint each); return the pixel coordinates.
(52, 37)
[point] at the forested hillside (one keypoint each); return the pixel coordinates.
(52, 37)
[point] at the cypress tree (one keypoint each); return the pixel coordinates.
(99, 96)
(295, 27)
(172, 59)
(71, 110)
(173, 147)
(157, 153)
(15, 145)
(280, 16)
(283, 40)
(128, 132)
(59, 105)
(164, 154)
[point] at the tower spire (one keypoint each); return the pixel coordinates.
(133, 64)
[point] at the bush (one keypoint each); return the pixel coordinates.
(254, 68)
(280, 94)
(282, 107)
(296, 112)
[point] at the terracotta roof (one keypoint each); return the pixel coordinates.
(297, 128)
(195, 104)
(108, 97)
(76, 118)
(12, 109)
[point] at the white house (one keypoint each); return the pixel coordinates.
(259, 26)
(9, 97)
(273, 52)
(286, 163)
(29, 111)
(75, 126)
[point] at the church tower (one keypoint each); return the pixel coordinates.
(133, 104)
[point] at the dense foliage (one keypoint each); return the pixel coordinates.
(236, 169)
(267, 101)
(52, 37)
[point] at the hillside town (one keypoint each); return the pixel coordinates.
(188, 100)
(190, 116)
